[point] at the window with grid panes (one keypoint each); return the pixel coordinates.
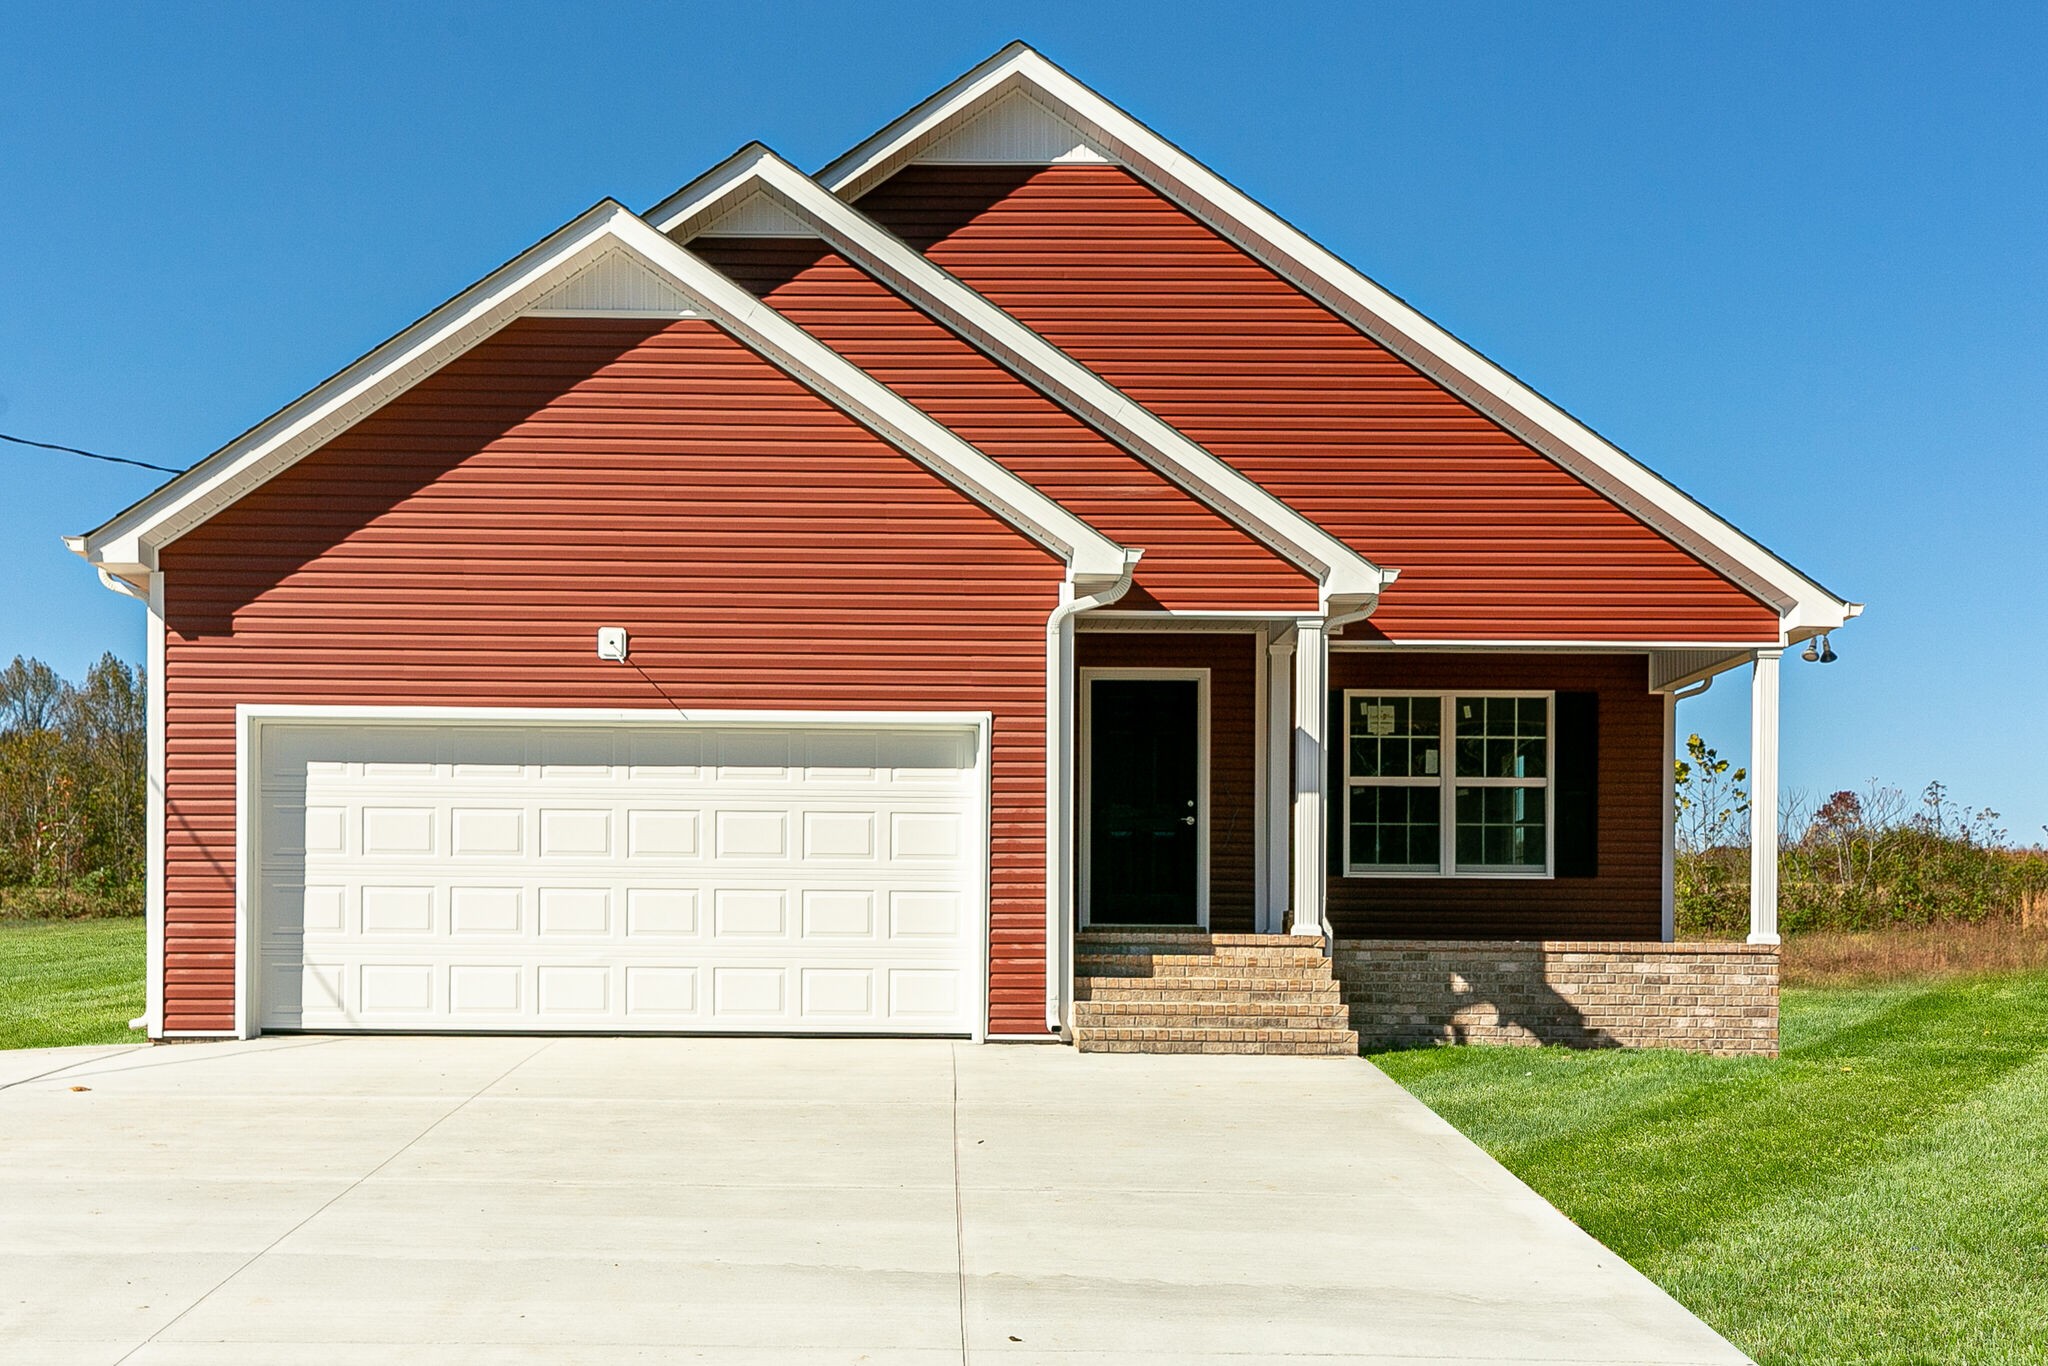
(1447, 784)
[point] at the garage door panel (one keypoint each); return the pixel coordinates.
(618, 878)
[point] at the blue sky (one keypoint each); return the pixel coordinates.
(1792, 256)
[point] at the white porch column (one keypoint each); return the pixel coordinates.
(1670, 851)
(1275, 877)
(1311, 702)
(1763, 798)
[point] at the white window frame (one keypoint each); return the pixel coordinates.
(1448, 782)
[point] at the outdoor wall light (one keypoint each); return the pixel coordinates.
(1823, 653)
(1810, 653)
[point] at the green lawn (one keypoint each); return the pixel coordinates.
(1878, 1194)
(70, 981)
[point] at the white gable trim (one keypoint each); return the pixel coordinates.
(1014, 130)
(757, 215)
(607, 253)
(1804, 605)
(1346, 577)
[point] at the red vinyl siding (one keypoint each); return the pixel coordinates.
(461, 546)
(1623, 900)
(1494, 540)
(1194, 558)
(1232, 662)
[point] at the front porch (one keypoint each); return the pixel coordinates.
(1283, 843)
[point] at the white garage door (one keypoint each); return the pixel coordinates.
(814, 878)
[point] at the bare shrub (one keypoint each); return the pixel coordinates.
(1852, 862)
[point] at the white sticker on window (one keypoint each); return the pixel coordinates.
(1379, 720)
(1429, 761)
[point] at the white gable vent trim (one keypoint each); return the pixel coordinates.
(1015, 130)
(614, 285)
(758, 215)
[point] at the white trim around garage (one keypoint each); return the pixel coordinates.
(252, 719)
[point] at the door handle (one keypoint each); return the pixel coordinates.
(1187, 820)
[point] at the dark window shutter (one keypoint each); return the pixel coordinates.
(1577, 785)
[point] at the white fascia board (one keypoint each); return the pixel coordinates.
(1803, 604)
(1344, 575)
(128, 543)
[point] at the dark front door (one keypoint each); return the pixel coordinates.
(1144, 801)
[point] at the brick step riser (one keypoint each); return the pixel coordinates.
(1256, 941)
(1206, 1021)
(1195, 967)
(1200, 951)
(1260, 1050)
(1304, 999)
(1183, 1005)
(1141, 990)
(1330, 1044)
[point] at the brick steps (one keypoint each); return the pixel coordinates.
(1177, 991)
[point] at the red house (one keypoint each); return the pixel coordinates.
(1008, 584)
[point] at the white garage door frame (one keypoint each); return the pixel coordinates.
(252, 719)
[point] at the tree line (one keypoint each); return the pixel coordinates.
(1855, 861)
(73, 770)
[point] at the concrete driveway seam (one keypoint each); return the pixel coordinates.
(356, 1184)
(59, 1071)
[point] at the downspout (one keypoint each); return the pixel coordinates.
(1059, 788)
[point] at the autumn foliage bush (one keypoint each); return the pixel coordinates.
(1856, 862)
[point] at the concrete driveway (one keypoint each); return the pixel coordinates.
(495, 1201)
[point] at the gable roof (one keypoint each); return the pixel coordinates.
(757, 191)
(1020, 108)
(607, 261)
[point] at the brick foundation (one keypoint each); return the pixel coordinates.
(1705, 997)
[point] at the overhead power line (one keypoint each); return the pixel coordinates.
(89, 455)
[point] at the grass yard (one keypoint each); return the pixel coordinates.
(70, 981)
(1878, 1194)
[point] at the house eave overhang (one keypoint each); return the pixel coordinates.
(126, 546)
(1348, 581)
(1804, 606)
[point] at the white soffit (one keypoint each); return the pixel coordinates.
(758, 215)
(596, 255)
(1802, 603)
(1014, 130)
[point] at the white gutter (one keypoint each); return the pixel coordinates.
(1059, 788)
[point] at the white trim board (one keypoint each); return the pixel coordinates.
(252, 718)
(1084, 808)
(1347, 579)
(608, 232)
(1802, 603)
